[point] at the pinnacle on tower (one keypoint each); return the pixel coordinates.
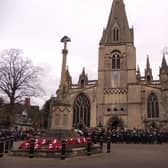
(164, 63)
(148, 71)
(147, 63)
(83, 71)
(83, 78)
(138, 73)
(164, 67)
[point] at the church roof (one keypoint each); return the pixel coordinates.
(117, 18)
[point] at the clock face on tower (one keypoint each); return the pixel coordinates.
(115, 76)
(115, 80)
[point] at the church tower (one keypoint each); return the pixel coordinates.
(117, 67)
(164, 83)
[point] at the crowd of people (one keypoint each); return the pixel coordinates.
(18, 133)
(136, 136)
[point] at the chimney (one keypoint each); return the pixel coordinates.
(27, 102)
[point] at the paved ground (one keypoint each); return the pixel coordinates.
(121, 156)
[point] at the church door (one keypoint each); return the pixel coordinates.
(115, 123)
(81, 111)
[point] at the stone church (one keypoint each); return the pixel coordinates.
(120, 97)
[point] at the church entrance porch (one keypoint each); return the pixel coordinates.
(115, 122)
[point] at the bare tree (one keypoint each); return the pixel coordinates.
(18, 77)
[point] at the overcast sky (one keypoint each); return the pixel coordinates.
(36, 26)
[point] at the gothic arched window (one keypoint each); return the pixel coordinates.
(115, 34)
(153, 106)
(81, 111)
(82, 83)
(115, 60)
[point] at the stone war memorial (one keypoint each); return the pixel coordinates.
(121, 96)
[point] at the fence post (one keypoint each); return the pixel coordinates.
(11, 142)
(63, 150)
(101, 142)
(89, 147)
(31, 149)
(2, 142)
(108, 144)
(95, 138)
(7, 144)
